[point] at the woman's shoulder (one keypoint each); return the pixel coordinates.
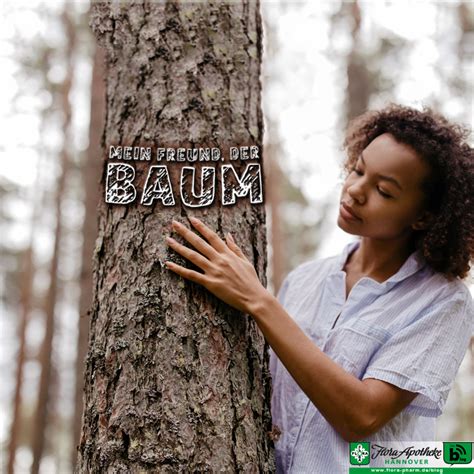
(451, 297)
(446, 288)
(304, 276)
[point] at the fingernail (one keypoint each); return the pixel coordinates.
(194, 220)
(230, 237)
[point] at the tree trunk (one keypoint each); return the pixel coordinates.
(26, 305)
(176, 381)
(359, 86)
(91, 176)
(25, 292)
(41, 419)
(274, 195)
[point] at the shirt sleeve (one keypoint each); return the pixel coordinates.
(425, 356)
(283, 289)
(281, 299)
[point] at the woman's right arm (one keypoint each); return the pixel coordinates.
(354, 408)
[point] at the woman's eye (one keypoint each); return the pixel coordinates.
(385, 195)
(357, 171)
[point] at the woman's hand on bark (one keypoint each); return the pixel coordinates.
(228, 273)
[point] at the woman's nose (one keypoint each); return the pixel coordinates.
(356, 192)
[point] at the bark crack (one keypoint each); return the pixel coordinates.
(234, 403)
(126, 443)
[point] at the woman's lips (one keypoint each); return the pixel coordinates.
(347, 214)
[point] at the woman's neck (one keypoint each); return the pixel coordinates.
(379, 259)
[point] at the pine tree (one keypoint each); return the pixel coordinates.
(176, 381)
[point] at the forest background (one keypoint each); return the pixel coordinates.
(323, 64)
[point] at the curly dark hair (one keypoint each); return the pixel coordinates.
(447, 244)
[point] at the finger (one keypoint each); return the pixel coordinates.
(216, 242)
(235, 248)
(196, 277)
(188, 253)
(194, 239)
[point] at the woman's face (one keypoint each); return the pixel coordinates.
(384, 192)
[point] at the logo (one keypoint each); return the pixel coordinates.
(359, 453)
(457, 453)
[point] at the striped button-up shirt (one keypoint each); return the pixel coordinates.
(412, 331)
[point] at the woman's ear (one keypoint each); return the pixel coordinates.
(424, 221)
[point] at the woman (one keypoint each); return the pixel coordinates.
(365, 345)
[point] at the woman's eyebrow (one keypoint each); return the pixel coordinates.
(383, 177)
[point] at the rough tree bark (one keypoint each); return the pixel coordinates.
(176, 381)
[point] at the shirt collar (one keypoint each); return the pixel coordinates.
(412, 264)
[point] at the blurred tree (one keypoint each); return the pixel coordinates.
(367, 78)
(359, 80)
(13, 264)
(274, 176)
(273, 185)
(465, 11)
(32, 77)
(26, 287)
(295, 230)
(39, 428)
(175, 379)
(11, 258)
(90, 176)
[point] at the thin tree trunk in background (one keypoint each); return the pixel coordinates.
(26, 290)
(91, 176)
(359, 87)
(274, 186)
(464, 50)
(176, 381)
(39, 428)
(27, 294)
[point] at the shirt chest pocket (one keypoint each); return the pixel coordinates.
(353, 344)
